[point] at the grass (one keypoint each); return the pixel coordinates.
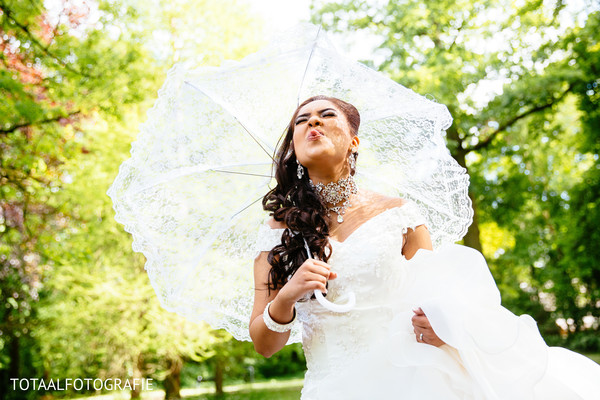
(262, 394)
(274, 389)
(284, 389)
(593, 356)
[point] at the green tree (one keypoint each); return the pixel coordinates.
(521, 140)
(74, 83)
(51, 79)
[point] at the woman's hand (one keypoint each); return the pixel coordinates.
(312, 274)
(422, 326)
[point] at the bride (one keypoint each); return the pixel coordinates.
(427, 323)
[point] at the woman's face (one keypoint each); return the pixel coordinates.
(323, 139)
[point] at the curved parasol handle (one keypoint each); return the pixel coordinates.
(339, 308)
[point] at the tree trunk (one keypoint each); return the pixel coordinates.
(13, 368)
(219, 370)
(15, 362)
(136, 391)
(172, 382)
(472, 238)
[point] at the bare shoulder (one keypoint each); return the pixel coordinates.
(276, 224)
(391, 202)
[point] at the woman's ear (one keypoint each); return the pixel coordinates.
(355, 141)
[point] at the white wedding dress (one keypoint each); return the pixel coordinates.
(371, 352)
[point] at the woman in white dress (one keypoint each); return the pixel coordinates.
(427, 324)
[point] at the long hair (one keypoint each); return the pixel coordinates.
(296, 204)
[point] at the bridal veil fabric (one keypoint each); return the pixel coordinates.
(190, 193)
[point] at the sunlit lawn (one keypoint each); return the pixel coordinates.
(593, 356)
(284, 389)
(263, 394)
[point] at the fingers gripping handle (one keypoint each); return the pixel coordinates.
(339, 308)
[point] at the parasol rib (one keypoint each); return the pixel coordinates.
(241, 173)
(233, 216)
(312, 50)
(215, 233)
(236, 118)
(183, 171)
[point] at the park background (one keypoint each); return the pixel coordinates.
(520, 78)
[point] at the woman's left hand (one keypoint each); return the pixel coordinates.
(423, 330)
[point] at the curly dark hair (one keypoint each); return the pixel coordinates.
(294, 202)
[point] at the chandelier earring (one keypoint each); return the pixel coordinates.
(300, 172)
(352, 160)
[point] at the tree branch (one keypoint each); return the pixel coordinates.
(43, 121)
(512, 121)
(458, 30)
(36, 42)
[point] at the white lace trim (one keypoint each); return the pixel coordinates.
(268, 238)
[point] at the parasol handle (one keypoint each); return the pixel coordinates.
(339, 308)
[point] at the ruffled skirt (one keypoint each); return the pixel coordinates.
(490, 353)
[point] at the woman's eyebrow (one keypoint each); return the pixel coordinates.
(307, 114)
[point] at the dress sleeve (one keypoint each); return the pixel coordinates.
(267, 238)
(411, 217)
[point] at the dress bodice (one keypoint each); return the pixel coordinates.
(369, 263)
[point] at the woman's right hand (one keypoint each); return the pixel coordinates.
(312, 274)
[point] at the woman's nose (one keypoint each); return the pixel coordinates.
(314, 121)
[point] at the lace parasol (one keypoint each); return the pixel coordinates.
(190, 193)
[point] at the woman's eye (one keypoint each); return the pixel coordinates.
(325, 114)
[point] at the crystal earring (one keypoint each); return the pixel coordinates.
(352, 161)
(300, 170)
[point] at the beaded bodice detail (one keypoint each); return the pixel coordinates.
(369, 262)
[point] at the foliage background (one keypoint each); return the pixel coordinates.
(76, 78)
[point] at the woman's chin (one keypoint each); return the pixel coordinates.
(316, 153)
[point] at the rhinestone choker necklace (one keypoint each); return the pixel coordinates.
(336, 192)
